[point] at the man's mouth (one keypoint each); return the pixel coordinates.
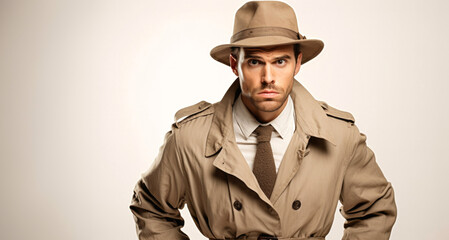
(268, 93)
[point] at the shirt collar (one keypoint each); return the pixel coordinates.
(247, 123)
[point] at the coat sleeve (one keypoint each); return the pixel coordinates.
(158, 195)
(367, 197)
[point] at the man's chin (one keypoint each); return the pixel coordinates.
(268, 106)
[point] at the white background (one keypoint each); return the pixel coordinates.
(88, 89)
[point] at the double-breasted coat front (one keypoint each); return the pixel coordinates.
(327, 160)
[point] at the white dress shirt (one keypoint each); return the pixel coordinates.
(245, 124)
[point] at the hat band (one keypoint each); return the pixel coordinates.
(265, 31)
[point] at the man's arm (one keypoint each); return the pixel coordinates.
(367, 197)
(158, 195)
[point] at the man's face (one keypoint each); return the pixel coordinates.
(266, 79)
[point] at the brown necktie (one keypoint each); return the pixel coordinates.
(264, 168)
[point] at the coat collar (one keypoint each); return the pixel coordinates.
(310, 117)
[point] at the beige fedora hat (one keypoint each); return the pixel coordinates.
(267, 23)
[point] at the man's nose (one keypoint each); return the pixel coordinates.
(267, 76)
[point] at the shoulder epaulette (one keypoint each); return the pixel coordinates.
(190, 111)
(335, 113)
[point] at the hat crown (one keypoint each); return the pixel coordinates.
(258, 14)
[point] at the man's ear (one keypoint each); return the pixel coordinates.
(233, 63)
(298, 63)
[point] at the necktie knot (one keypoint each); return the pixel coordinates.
(264, 133)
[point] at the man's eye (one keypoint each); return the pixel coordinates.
(281, 61)
(253, 62)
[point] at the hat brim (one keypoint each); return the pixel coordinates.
(309, 48)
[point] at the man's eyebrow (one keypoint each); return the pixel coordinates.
(276, 58)
(283, 57)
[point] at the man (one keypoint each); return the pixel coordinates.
(268, 161)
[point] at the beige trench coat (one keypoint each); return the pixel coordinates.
(327, 160)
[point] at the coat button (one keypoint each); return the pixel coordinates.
(296, 204)
(238, 205)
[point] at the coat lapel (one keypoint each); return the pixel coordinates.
(310, 116)
(221, 126)
(231, 161)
